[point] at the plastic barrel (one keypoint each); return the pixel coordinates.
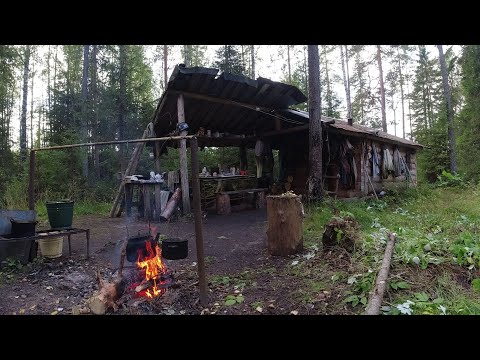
(51, 247)
(60, 214)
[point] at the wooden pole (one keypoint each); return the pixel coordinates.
(183, 158)
(133, 141)
(373, 306)
(31, 183)
(198, 222)
(243, 158)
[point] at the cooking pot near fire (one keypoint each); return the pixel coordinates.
(174, 248)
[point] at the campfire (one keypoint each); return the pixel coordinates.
(154, 270)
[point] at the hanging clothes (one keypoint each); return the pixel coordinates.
(398, 163)
(375, 161)
(387, 163)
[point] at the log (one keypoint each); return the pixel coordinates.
(285, 224)
(105, 297)
(171, 205)
(223, 204)
(289, 178)
(375, 301)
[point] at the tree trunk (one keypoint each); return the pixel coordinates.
(315, 127)
(382, 89)
(448, 98)
(375, 301)
(95, 125)
(84, 118)
(31, 106)
(401, 91)
(289, 65)
(345, 84)
(183, 157)
(23, 120)
(122, 102)
(327, 80)
(187, 50)
(349, 101)
(285, 224)
(252, 55)
(165, 66)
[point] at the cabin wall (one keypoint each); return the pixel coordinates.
(297, 165)
(392, 182)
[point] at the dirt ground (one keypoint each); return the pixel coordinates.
(238, 269)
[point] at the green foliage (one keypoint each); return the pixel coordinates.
(231, 300)
(468, 138)
(362, 284)
(449, 179)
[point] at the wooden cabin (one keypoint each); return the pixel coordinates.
(227, 110)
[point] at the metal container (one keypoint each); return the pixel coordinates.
(174, 248)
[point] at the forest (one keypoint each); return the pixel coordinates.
(69, 94)
(63, 94)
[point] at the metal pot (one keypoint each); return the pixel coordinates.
(23, 228)
(174, 248)
(136, 244)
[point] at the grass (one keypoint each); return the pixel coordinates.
(437, 252)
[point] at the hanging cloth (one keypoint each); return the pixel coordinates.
(398, 163)
(387, 164)
(375, 161)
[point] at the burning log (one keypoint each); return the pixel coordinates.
(171, 205)
(106, 295)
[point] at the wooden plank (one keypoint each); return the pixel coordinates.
(183, 158)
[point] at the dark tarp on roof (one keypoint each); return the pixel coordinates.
(263, 93)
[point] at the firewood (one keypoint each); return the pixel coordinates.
(375, 301)
(105, 297)
(287, 186)
(145, 284)
(289, 178)
(171, 205)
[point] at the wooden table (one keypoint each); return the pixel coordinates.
(221, 184)
(147, 190)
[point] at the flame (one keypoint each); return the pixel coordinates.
(153, 266)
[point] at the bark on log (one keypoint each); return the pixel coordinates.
(171, 205)
(285, 225)
(106, 296)
(223, 204)
(375, 301)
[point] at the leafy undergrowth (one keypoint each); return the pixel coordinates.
(435, 267)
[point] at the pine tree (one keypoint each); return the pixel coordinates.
(229, 59)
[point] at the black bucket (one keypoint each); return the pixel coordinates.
(22, 228)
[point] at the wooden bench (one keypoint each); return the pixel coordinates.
(223, 199)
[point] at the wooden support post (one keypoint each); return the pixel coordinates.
(278, 124)
(147, 202)
(243, 158)
(198, 222)
(158, 207)
(31, 183)
(183, 158)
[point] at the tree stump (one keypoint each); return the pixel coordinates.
(223, 204)
(260, 200)
(285, 224)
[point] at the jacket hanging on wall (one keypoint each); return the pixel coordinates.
(375, 161)
(387, 163)
(398, 163)
(347, 166)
